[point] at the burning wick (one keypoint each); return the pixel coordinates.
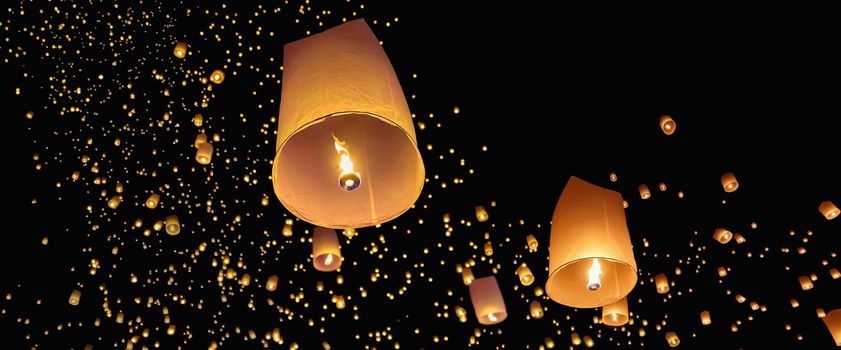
(329, 259)
(594, 283)
(349, 180)
(492, 317)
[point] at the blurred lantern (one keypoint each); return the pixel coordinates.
(180, 49)
(591, 262)
(832, 320)
(644, 192)
(200, 139)
(326, 252)
(198, 120)
(576, 340)
(613, 177)
(834, 273)
(271, 283)
(245, 280)
(339, 85)
(538, 292)
(754, 305)
(794, 303)
(662, 186)
(340, 302)
(722, 271)
(204, 153)
(662, 283)
(705, 318)
(489, 249)
(446, 218)
(481, 214)
(525, 275)
(615, 314)
(740, 298)
(722, 235)
(667, 124)
(75, 296)
(549, 342)
(487, 301)
(535, 309)
(728, 181)
(829, 210)
(467, 276)
(172, 225)
(217, 77)
(820, 312)
(739, 238)
(114, 202)
(532, 243)
(672, 339)
(152, 201)
(588, 342)
(287, 228)
(677, 270)
(805, 282)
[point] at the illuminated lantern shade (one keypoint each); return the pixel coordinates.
(75, 295)
(487, 301)
(152, 201)
(613, 177)
(341, 84)
(481, 214)
(728, 181)
(172, 225)
(835, 273)
(245, 280)
(204, 153)
(588, 342)
(575, 338)
(271, 283)
(722, 271)
(722, 236)
(198, 120)
(644, 192)
(532, 243)
(754, 305)
(615, 314)
(667, 124)
(467, 276)
(820, 312)
(662, 186)
(535, 309)
(740, 298)
(672, 339)
(739, 238)
(705, 318)
(588, 234)
(489, 249)
(805, 282)
(114, 202)
(829, 210)
(446, 218)
(326, 252)
(180, 49)
(287, 228)
(662, 283)
(794, 303)
(200, 139)
(217, 77)
(525, 275)
(832, 320)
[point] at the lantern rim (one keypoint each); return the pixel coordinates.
(564, 301)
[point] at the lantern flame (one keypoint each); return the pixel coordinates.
(329, 259)
(349, 180)
(594, 282)
(492, 317)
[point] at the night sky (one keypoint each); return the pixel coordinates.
(509, 101)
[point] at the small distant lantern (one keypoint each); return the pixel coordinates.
(200, 139)
(613, 177)
(180, 49)
(834, 273)
(340, 302)
(487, 301)
(667, 124)
(245, 280)
(172, 225)
(271, 283)
(739, 238)
(525, 275)
(722, 271)
(204, 153)
(114, 202)
(446, 218)
(217, 77)
(754, 305)
(805, 282)
(722, 236)
(489, 249)
(644, 192)
(535, 309)
(575, 338)
(829, 210)
(832, 320)
(705, 318)
(615, 314)
(152, 201)
(532, 243)
(467, 276)
(740, 298)
(198, 120)
(794, 303)
(672, 339)
(662, 186)
(481, 214)
(728, 181)
(326, 252)
(820, 312)
(287, 229)
(662, 283)
(75, 296)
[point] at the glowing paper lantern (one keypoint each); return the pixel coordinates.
(794, 303)
(340, 91)
(820, 312)
(198, 120)
(591, 262)
(722, 236)
(525, 275)
(613, 177)
(829, 210)
(467, 276)
(615, 314)
(75, 296)
(644, 192)
(728, 181)
(835, 273)
(535, 309)
(739, 238)
(805, 282)
(152, 201)
(667, 124)
(672, 339)
(662, 186)
(832, 320)
(489, 249)
(204, 153)
(662, 283)
(114, 202)
(705, 318)
(180, 49)
(326, 252)
(271, 283)
(481, 214)
(722, 271)
(200, 139)
(532, 243)
(172, 225)
(487, 301)
(217, 77)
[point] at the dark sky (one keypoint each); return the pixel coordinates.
(551, 92)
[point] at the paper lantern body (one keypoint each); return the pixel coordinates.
(172, 225)
(589, 223)
(153, 200)
(481, 214)
(667, 124)
(180, 49)
(525, 275)
(662, 283)
(672, 339)
(832, 320)
(340, 83)
(487, 301)
(722, 236)
(535, 309)
(644, 192)
(204, 153)
(705, 318)
(728, 181)
(615, 314)
(326, 252)
(829, 210)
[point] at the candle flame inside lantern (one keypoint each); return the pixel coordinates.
(329, 259)
(492, 317)
(349, 180)
(594, 282)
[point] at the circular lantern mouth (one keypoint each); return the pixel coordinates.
(568, 284)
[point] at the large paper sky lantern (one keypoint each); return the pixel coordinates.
(615, 314)
(326, 251)
(487, 301)
(347, 155)
(591, 262)
(832, 320)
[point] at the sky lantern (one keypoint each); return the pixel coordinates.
(75, 296)
(672, 339)
(172, 225)
(467, 276)
(705, 318)
(832, 320)
(217, 77)
(722, 236)
(487, 301)
(532, 243)
(481, 214)
(829, 210)
(591, 263)
(805, 282)
(271, 283)
(535, 309)
(525, 275)
(667, 124)
(644, 192)
(347, 155)
(326, 252)
(153, 200)
(728, 181)
(615, 314)
(180, 49)
(662, 283)
(204, 153)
